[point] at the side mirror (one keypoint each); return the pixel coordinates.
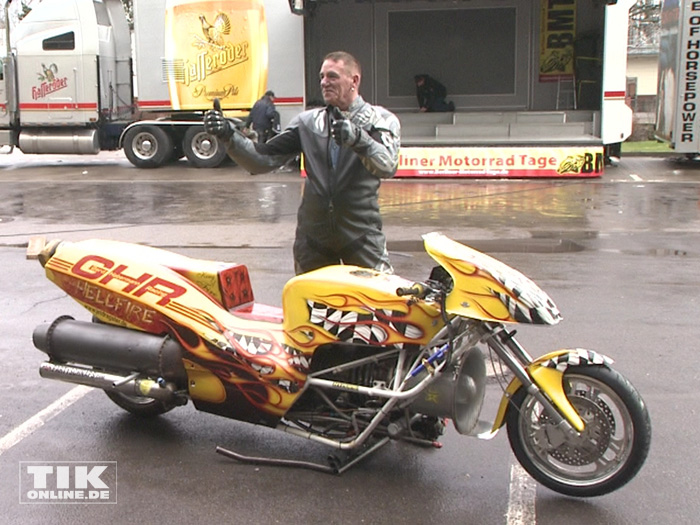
(302, 7)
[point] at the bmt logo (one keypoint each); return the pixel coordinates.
(68, 482)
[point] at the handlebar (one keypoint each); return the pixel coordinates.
(419, 290)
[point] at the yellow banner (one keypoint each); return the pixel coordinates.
(557, 33)
(501, 162)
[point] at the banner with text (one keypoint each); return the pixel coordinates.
(501, 162)
(557, 31)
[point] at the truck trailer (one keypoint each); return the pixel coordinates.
(76, 79)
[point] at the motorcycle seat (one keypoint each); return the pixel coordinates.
(259, 312)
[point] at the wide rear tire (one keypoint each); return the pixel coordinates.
(140, 406)
(605, 456)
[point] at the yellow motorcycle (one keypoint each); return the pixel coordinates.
(353, 359)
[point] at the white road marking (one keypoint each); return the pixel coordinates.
(521, 502)
(35, 422)
(636, 178)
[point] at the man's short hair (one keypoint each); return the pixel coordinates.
(349, 60)
(270, 94)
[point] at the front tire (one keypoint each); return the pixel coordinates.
(605, 456)
(140, 406)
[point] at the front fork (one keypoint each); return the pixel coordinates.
(542, 377)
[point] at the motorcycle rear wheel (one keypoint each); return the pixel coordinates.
(140, 406)
(605, 456)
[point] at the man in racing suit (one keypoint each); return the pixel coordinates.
(348, 147)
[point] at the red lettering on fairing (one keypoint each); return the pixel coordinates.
(102, 270)
(133, 282)
(92, 272)
(152, 287)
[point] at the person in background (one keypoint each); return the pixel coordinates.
(431, 95)
(264, 119)
(349, 146)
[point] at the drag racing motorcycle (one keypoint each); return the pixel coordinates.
(353, 359)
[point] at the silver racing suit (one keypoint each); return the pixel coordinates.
(338, 219)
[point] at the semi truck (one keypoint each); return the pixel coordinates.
(75, 79)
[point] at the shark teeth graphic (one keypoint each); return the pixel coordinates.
(299, 361)
(292, 351)
(262, 370)
(371, 328)
(256, 346)
(287, 385)
(413, 332)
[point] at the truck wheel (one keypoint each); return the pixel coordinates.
(203, 150)
(147, 146)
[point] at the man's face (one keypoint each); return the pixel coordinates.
(338, 84)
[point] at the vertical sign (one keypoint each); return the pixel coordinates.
(686, 136)
(557, 33)
(668, 67)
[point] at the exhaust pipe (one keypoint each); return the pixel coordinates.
(118, 350)
(130, 385)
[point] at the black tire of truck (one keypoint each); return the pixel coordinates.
(147, 146)
(203, 150)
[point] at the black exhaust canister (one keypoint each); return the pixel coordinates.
(111, 348)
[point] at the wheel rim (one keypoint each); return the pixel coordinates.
(204, 146)
(136, 400)
(594, 456)
(144, 145)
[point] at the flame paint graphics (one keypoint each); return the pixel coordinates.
(267, 373)
(488, 289)
(479, 287)
(351, 319)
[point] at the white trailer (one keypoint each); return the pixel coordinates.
(71, 83)
(678, 106)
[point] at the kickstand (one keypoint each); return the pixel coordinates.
(336, 465)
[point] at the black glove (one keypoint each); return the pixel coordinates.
(343, 131)
(216, 124)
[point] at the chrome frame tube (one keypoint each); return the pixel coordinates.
(516, 359)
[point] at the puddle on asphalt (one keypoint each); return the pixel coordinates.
(532, 245)
(653, 252)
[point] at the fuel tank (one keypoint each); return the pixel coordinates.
(355, 305)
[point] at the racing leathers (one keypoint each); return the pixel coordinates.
(338, 218)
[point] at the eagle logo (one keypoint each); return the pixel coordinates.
(49, 73)
(214, 32)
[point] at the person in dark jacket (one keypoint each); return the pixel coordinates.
(431, 95)
(263, 117)
(348, 146)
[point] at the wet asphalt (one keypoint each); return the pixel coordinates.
(619, 254)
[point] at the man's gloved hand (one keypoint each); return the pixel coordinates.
(216, 124)
(344, 132)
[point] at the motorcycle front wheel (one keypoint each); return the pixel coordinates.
(606, 455)
(140, 406)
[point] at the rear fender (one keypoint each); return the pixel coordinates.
(547, 372)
